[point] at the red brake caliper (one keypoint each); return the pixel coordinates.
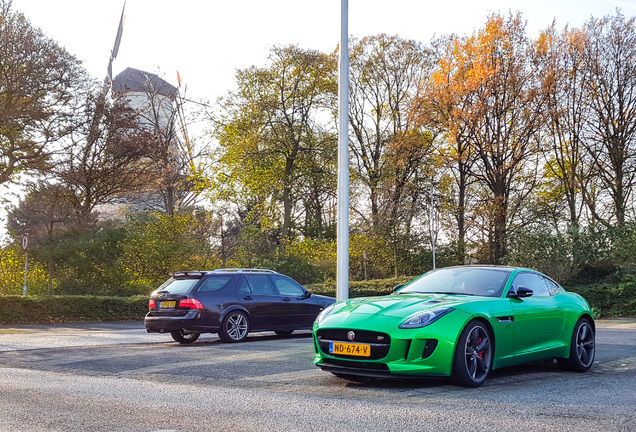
(481, 353)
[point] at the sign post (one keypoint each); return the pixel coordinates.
(25, 248)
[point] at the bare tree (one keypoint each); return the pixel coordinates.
(567, 111)
(387, 144)
(610, 81)
(106, 158)
(390, 149)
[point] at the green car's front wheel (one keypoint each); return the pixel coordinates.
(473, 355)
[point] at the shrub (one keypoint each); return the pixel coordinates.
(369, 288)
(36, 309)
(12, 274)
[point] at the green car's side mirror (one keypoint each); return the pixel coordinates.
(520, 292)
(397, 287)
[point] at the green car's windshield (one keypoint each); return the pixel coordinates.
(477, 281)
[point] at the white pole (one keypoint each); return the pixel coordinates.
(26, 268)
(342, 269)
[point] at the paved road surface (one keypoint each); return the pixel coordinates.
(115, 377)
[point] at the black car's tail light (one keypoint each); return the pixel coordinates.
(152, 304)
(190, 303)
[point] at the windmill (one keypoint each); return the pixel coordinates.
(160, 111)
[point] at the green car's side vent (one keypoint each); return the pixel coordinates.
(430, 346)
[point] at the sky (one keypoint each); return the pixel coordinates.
(207, 41)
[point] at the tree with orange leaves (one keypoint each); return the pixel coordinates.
(489, 100)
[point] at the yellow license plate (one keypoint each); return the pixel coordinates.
(168, 304)
(360, 350)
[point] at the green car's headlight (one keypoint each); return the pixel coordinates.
(324, 313)
(425, 318)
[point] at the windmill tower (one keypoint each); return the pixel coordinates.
(159, 111)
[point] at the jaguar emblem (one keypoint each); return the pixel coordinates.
(351, 335)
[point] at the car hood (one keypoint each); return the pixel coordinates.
(396, 306)
(324, 300)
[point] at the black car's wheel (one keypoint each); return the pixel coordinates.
(283, 332)
(235, 327)
(582, 348)
(184, 338)
(473, 355)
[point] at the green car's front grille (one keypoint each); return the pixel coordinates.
(362, 336)
(379, 342)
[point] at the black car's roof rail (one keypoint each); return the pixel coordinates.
(243, 270)
(187, 274)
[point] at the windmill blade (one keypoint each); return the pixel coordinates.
(113, 53)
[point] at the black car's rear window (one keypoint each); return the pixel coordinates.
(178, 286)
(215, 282)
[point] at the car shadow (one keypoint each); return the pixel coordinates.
(208, 339)
(500, 377)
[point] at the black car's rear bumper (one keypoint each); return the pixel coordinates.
(166, 324)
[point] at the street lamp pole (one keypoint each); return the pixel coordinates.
(342, 268)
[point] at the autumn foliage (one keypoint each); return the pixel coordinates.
(490, 147)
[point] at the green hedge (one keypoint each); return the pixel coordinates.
(609, 301)
(616, 299)
(20, 309)
(369, 288)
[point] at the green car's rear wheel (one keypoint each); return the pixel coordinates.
(582, 348)
(473, 355)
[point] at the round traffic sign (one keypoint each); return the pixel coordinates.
(25, 242)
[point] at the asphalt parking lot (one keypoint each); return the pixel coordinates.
(116, 377)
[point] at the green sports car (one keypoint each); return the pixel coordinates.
(459, 322)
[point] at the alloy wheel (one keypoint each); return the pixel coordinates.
(585, 344)
(237, 326)
(478, 353)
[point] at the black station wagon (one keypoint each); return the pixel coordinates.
(232, 303)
